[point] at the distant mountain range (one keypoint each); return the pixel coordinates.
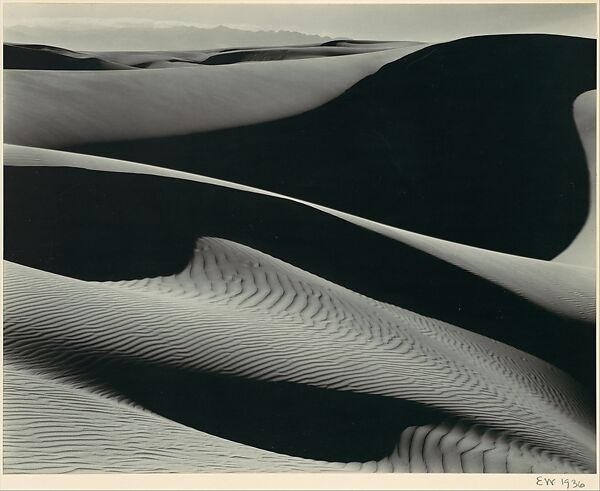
(108, 38)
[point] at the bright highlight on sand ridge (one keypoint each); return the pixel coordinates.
(337, 256)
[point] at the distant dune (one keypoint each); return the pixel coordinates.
(114, 436)
(97, 35)
(50, 58)
(139, 103)
(34, 57)
(351, 256)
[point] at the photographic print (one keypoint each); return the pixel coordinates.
(290, 238)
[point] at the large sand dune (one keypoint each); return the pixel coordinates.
(355, 256)
(286, 325)
(99, 241)
(582, 250)
(503, 170)
(562, 288)
(52, 109)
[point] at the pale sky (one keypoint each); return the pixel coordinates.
(391, 22)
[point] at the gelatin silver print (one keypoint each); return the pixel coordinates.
(251, 238)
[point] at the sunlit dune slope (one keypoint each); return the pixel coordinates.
(57, 108)
(583, 248)
(323, 335)
(106, 232)
(472, 141)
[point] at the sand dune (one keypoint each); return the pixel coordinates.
(106, 233)
(231, 295)
(421, 152)
(22, 57)
(140, 58)
(365, 43)
(134, 440)
(582, 251)
(299, 53)
(113, 436)
(565, 289)
(357, 256)
(41, 57)
(54, 109)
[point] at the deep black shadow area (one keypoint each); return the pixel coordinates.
(471, 141)
(112, 226)
(283, 417)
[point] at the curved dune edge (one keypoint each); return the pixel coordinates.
(289, 325)
(293, 53)
(21, 56)
(27, 56)
(564, 289)
(136, 58)
(54, 109)
(77, 430)
(420, 150)
(113, 436)
(582, 250)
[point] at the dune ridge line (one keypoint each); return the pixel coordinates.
(565, 289)
(231, 293)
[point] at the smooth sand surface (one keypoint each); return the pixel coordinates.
(583, 251)
(53, 109)
(43, 57)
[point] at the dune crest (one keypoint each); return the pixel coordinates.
(22, 57)
(54, 109)
(564, 289)
(281, 321)
(45, 57)
(582, 250)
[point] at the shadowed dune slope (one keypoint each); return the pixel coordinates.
(298, 53)
(564, 289)
(504, 170)
(53, 109)
(149, 58)
(135, 440)
(324, 335)
(112, 435)
(141, 58)
(34, 57)
(365, 43)
(355, 256)
(89, 225)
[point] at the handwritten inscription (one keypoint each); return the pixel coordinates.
(562, 483)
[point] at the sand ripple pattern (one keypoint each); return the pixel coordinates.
(237, 311)
(75, 430)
